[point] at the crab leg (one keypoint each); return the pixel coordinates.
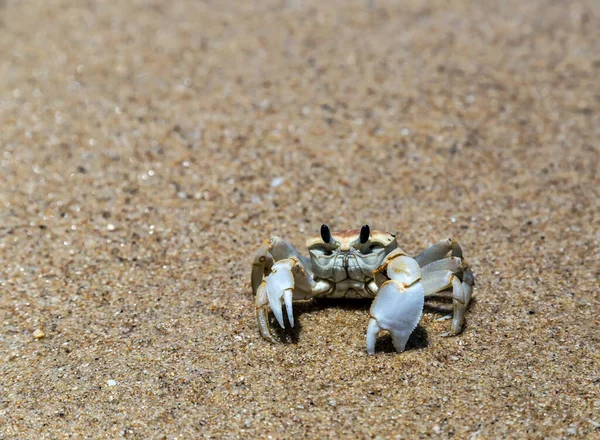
(270, 251)
(453, 264)
(436, 281)
(261, 265)
(439, 251)
(441, 271)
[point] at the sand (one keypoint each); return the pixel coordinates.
(147, 148)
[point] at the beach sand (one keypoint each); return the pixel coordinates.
(147, 149)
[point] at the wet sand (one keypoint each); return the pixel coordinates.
(147, 148)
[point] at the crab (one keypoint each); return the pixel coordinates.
(361, 263)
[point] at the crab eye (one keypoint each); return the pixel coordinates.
(325, 233)
(365, 231)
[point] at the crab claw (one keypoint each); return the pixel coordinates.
(280, 286)
(397, 309)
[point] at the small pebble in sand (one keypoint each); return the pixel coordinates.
(111, 383)
(277, 181)
(39, 334)
(111, 227)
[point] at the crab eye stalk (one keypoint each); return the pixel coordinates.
(325, 233)
(365, 231)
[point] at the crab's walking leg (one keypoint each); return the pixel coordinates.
(398, 305)
(438, 280)
(439, 251)
(453, 264)
(261, 265)
(447, 255)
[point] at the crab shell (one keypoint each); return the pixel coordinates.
(345, 256)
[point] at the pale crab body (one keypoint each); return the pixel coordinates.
(347, 265)
(360, 264)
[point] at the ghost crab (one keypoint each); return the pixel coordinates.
(360, 264)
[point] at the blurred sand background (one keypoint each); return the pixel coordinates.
(147, 148)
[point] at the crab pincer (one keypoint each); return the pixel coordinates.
(398, 306)
(280, 287)
(397, 309)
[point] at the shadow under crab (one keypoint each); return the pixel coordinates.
(418, 340)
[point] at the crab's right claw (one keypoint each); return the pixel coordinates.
(262, 313)
(280, 286)
(397, 309)
(277, 288)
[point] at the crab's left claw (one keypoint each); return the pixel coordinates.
(398, 305)
(396, 309)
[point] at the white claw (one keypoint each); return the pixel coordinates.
(397, 309)
(280, 284)
(373, 330)
(287, 298)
